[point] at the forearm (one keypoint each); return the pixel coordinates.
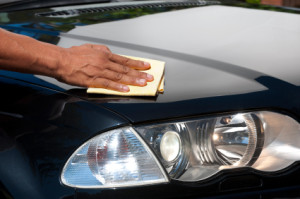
(24, 54)
(87, 65)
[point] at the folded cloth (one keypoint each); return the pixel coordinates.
(152, 88)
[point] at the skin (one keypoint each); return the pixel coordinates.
(88, 65)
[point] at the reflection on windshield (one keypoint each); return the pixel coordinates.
(64, 24)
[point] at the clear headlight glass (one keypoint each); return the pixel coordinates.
(200, 148)
(188, 150)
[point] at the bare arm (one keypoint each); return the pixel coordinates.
(88, 65)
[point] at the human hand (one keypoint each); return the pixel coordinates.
(92, 65)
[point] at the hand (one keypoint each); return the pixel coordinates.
(92, 65)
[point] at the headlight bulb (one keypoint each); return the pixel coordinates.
(170, 146)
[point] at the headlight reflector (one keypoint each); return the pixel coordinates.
(235, 141)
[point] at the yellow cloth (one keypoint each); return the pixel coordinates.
(152, 88)
(161, 87)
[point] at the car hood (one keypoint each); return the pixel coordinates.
(218, 59)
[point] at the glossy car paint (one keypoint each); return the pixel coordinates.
(40, 129)
(248, 62)
(205, 62)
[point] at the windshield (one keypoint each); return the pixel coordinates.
(15, 5)
(12, 5)
(57, 2)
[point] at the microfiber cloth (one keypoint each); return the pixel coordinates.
(152, 88)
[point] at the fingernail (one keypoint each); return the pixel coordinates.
(150, 77)
(125, 88)
(147, 64)
(141, 81)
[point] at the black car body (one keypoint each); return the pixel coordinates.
(220, 59)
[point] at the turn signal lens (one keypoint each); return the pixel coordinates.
(117, 158)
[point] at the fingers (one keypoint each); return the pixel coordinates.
(135, 64)
(98, 47)
(101, 48)
(123, 64)
(128, 71)
(108, 84)
(123, 78)
(96, 66)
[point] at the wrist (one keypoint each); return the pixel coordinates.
(50, 59)
(60, 63)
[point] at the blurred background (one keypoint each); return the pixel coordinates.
(285, 3)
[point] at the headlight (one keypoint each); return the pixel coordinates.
(207, 145)
(190, 150)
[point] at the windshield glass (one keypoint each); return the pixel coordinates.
(14, 5)
(11, 5)
(68, 2)
(50, 1)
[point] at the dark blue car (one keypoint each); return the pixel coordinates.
(226, 126)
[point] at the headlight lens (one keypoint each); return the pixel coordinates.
(190, 150)
(212, 144)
